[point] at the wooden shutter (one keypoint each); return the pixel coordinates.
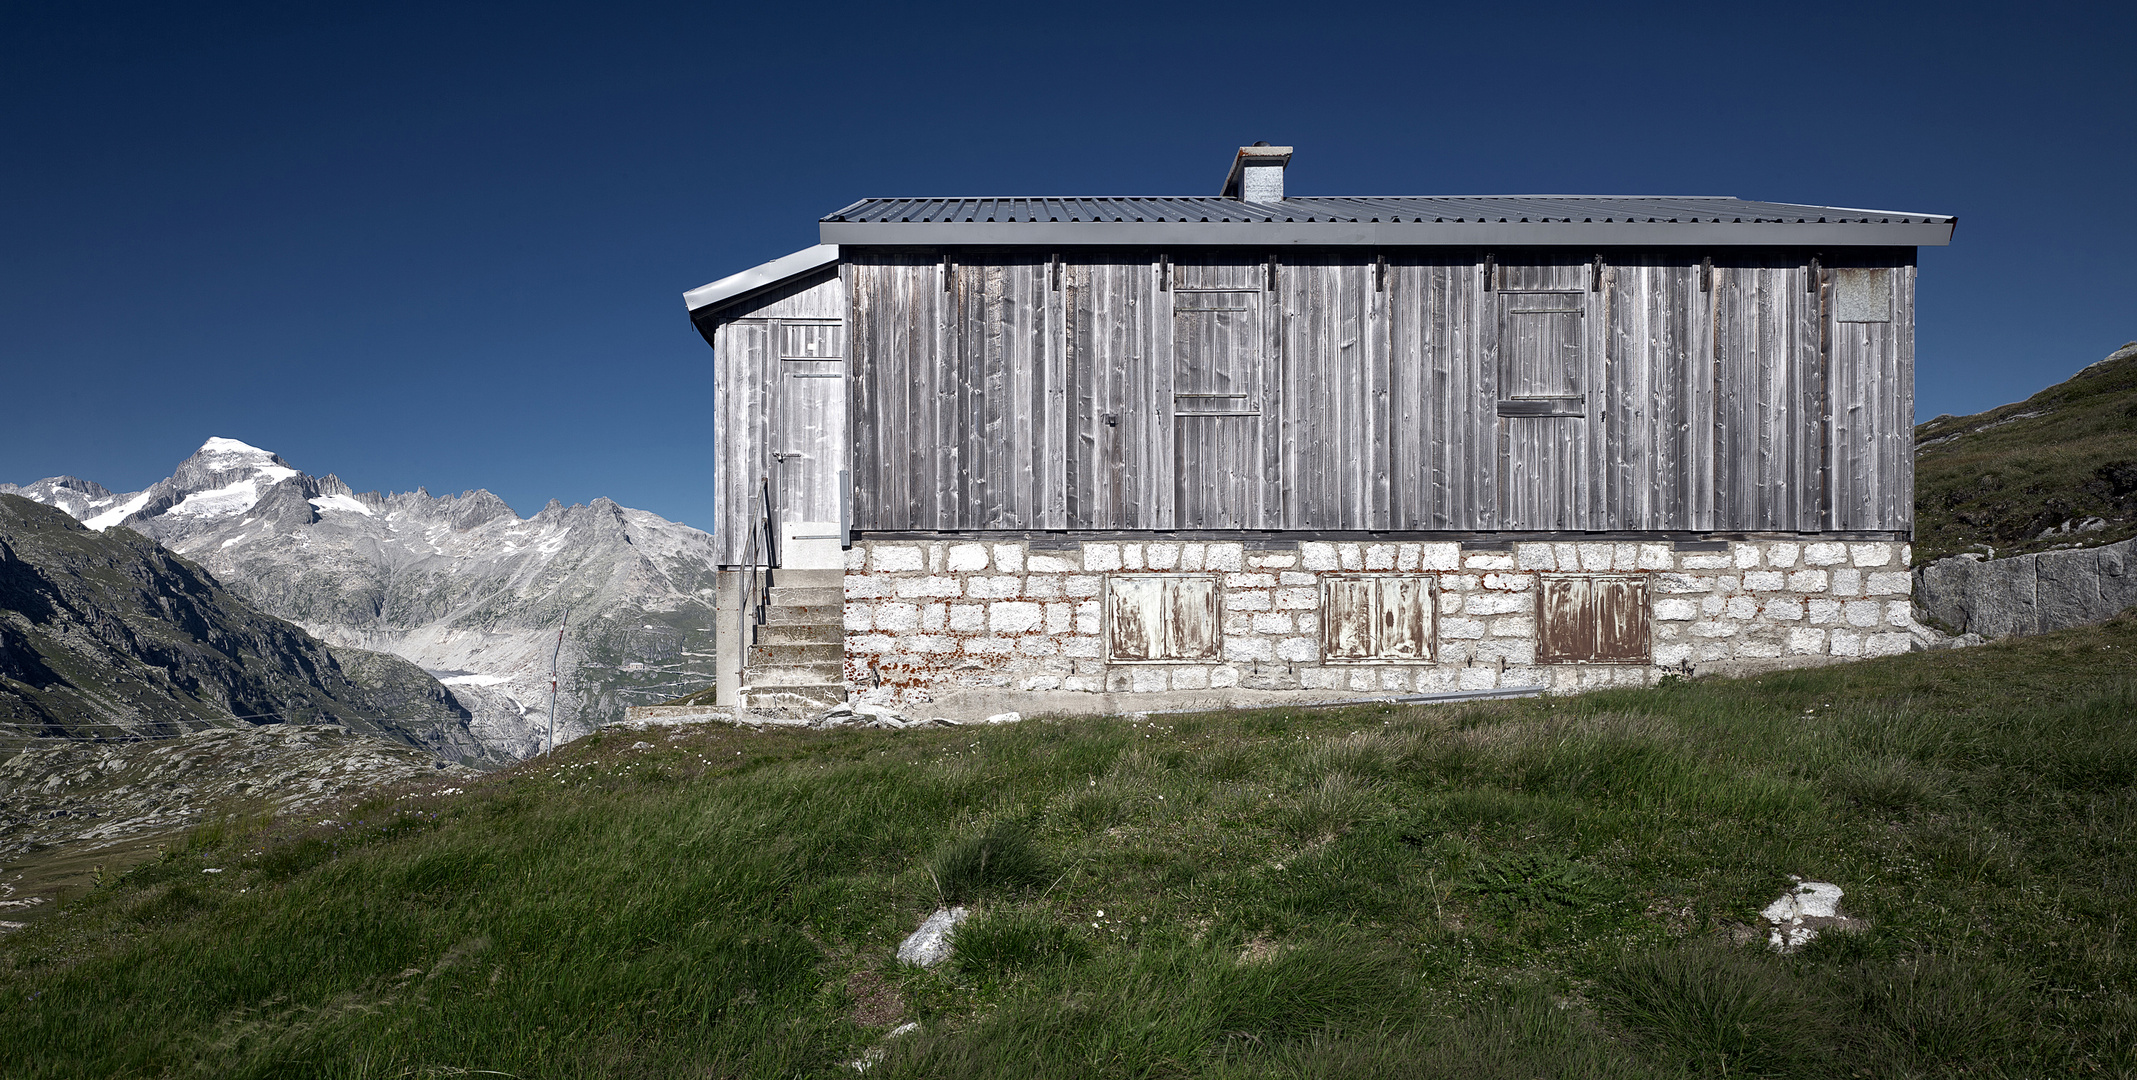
(1378, 617)
(1161, 617)
(1589, 619)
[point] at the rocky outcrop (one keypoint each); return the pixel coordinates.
(2028, 594)
(110, 636)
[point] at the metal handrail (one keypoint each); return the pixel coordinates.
(758, 555)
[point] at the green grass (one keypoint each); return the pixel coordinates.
(1559, 888)
(2000, 479)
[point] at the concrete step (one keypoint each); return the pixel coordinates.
(801, 634)
(807, 595)
(783, 674)
(810, 652)
(807, 615)
(801, 696)
(809, 579)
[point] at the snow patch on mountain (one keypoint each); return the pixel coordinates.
(117, 513)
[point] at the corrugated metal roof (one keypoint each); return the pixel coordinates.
(1368, 220)
(1646, 209)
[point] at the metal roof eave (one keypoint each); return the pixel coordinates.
(758, 278)
(1391, 234)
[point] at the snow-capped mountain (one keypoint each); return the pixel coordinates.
(460, 585)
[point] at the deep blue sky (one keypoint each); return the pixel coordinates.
(444, 244)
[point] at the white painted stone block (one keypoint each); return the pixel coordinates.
(1509, 582)
(1087, 617)
(1596, 558)
(1435, 680)
(1675, 609)
(1249, 581)
(1479, 678)
(935, 557)
(933, 617)
(1275, 622)
(1765, 580)
(1322, 678)
(871, 644)
(1406, 556)
(1746, 556)
(1080, 585)
(1246, 649)
(993, 588)
(1712, 606)
(1089, 684)
(1488, 560)
(1495, 603)
(1162, 557)
(1192, 556)
(1040, 682)
(1131, 556)
(1395, 679)
(1784, 609)
(866, 586)
(1515, 651)
(1224, 557)
(1052, 564)
(1811, 581)
(1847, 583)
(1846, 643)
(1238, 622)
(1273, 561)
(1672, 654)
(1308, 622)
(1705, 560)
(1297, 650)
(894, 558)
(1705, 651)
(1886, 644)
(1783, 555)
(1864, 613)
(1457, 629)
(965, 558)
(1036, 645)
(937, 585)
(896, 617)
(1743, 607)
(1450, 603)
(968, 618)
(1380, 556)
(1906, 555)
(857, 557)
(1150, 680)
(1009, 558)
(1222, 676)
(1246, 600)
(1889, 583)
(1805, 641)
(1060, 618)
(1042, 587)
(1899, 613)
(1682, 583)
(859, 617)
(1014, 617)
(930, 643)
(1087, 648)
(1758, 648)
(1656, 557)
(1824, 554)
(1361, 679)
(1295, 578)
(1823, 611)
(1098, 557)
(1193, 677)
(1349, 556)
(1460, 582)
(1870, 554)
(1534, 557)
(1713, 628)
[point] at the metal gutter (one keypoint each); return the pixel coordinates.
(1386, 234)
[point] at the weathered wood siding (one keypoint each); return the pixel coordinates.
(1373, 391)
(774, 419)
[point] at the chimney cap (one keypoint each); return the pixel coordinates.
(1259, 154)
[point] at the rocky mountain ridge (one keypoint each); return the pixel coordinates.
(459, 585)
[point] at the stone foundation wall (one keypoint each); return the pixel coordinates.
(1005, 614)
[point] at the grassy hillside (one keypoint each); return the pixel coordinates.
(1516, 889)
(2006, 477)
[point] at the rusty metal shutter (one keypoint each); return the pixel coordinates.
(1386, 617)
(1590, 619)
(1169, 617)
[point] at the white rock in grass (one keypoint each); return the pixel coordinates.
(930, 945)
(1805, 909)
(1004, 718)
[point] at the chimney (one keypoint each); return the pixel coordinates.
(1257, 174)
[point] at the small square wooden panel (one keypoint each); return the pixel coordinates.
(1386, 618)
(1592, 619)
